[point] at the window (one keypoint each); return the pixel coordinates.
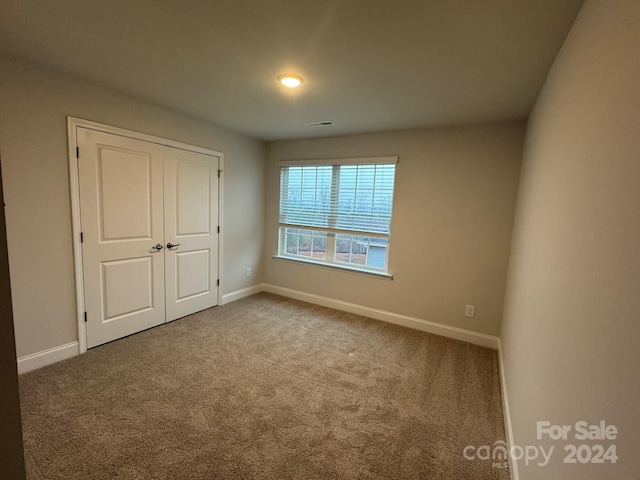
(337, 212)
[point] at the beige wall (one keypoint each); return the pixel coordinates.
(571, 322)
(34, 104)
(452, 220)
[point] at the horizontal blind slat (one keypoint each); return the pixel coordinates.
(335, 231)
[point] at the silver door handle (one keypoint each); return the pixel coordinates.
(171, 245)
(157, 247)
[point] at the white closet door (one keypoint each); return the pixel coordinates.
(191, 231)
(121, 201)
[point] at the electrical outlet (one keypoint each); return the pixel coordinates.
(248, 271)
(470, 311)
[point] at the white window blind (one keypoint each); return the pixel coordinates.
(346, 198)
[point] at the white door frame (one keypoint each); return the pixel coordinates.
(73, 124)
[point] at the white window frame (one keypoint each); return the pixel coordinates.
(331, 233)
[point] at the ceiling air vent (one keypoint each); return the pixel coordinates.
(326, 123)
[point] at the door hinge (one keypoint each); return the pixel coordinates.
(218, 283)
(85, 316)
(81, 237)
(77, 152)
(218, 228)
(219, 172)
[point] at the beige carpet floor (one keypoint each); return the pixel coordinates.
(265, 388)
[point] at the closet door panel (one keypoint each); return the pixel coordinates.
(191, 231)
(121, 203)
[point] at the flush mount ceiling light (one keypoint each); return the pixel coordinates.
(290, 80)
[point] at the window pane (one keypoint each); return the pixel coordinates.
(319, 245)
(292, 240)
(361, 251)
(305, 243)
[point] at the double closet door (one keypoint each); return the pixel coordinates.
(149, 216)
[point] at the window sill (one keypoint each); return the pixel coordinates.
(334, 266)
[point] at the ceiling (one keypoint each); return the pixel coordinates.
(368, 65)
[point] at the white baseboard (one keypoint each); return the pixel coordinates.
(513, 465)
(426, 326)
(242, 293)
(47, 357)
